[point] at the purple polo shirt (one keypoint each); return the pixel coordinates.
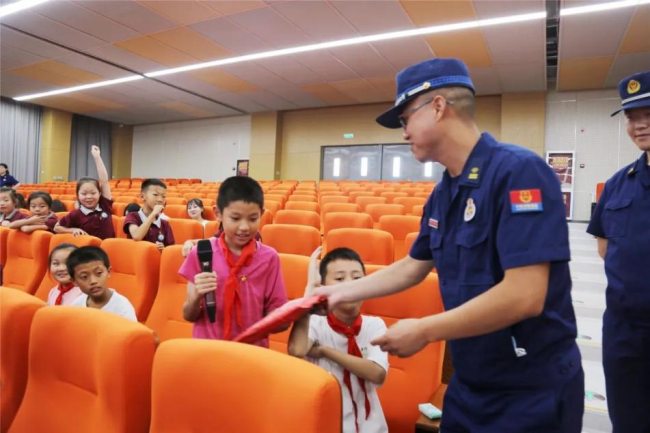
(51, 221)
(96, 222)
(14, 215)
(158, 228)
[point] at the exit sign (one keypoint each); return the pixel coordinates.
(348, 136)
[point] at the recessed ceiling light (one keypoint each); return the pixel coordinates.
(564, 12)
(78, 88)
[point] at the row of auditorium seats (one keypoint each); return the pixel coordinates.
(151, 282)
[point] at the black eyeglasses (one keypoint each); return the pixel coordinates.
(404, 117)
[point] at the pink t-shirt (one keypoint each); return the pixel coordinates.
(262, 292)
(68, 297)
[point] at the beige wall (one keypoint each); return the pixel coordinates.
(488, 115)
(266, 145)
(55, 145)
(122, 151)
(523, 118)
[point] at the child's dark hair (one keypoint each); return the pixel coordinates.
(148, 183)
(84, 255)
(198, 202)
(240, 188)
(58, 206)
(21, 201)
(131, 207)
(47, 198)
(84, 180)
(64, 246)
(339, 254)
(12, 194)
(2, 164)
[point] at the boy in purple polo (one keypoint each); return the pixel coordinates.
(247, 279)
(146, 224)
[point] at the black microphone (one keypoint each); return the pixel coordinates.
(204, 251)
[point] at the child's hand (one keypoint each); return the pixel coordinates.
(157, 210)
(78, 232)
(160, 246)
(25, 229)
(95, 152)
(313, 278)
(187, 247)
(205, 282)
(36, 220)
(317, 351)
(5, 223)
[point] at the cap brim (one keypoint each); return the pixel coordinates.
(635, 104)
(390, 117)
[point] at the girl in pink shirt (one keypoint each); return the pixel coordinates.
(246, 278)
(65, 291)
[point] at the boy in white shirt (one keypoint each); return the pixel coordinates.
(90, 268)
(340, 343)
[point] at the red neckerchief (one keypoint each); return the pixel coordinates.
(231, 299)
(353, 349)
(62, 291)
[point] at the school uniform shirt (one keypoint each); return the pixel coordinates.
(621, 216)
(96, 222)
(68, 297)
(8, 180)
(118, 304)
(14, 215)
(504, 211)
(371, 327)
(262, 291)
(51, 221)
(159, 231)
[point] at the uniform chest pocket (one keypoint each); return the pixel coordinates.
(615, 217)
(474, 257)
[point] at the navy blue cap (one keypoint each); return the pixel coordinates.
(634, 91)
(421, 78)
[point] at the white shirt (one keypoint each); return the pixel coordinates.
(68, 297)
(371, 328)
(118, 304)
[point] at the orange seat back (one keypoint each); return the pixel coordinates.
(410, 240)
(376, 211)
(333, 199)
(346, 220)
(27, 256)
(176, 201)
(118, 208)
(294, 272)
(339, 207)
(365, 201)
(303, 198)
(185, 230)
(211, 229)
(267, 218)
(298, 217)
(17, 310)
(118, 226)
(390, 196)
(272, 206)
(297, 395)
(399, 226)
(69, 204)
(424, 195)
(176, 211)
(291, 239)
(357, 194)
(599, 190)
(126, 199)
(409, 203)
(166, 316)
(190, 195)
(66, 238)
(275, 197)
(374, 246)
(136, 267)
(418, 210)
(4, 237)
(302, 205)
(410, 381)
(97, 363)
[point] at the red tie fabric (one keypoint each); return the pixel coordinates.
(231, 299)
(62, 291)
(353, 349)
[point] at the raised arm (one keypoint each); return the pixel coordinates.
(102, 173)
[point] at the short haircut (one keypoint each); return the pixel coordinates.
(64, 246)
(240, 188)
(85, 180)
(132, 207)
(58, 206)
(462, 100)
(148, 183)
(84, 255)
(12, 194)
(47, 198)
(339, 254)
(21, 200)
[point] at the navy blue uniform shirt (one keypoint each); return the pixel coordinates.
(622, 216)
(8, 180)
(504, 211)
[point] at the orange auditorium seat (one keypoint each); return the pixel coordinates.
(303, 198)
(126, 199)
(272, 206)
(410, 381)
(4, 236)
(211, 229)
(299, 217)
(17, 310)
(365, 201)
(185, 230)
(374, 246)
(176, 201)
(418, 210)
(339, 207)
(355, 195)
(97, 363)
(275, 197)
(300, 205)
(27, 256)
(135, 272)
(409, 203)
(166, 316)
(118, 208)
(376, 211)
(69, 204)
(189, 196)
(346, 220)
(392, 195)
(399, 226)
(333, 199)
(424, 195)
(267, 218)
(266, 391)
(409, 240)
(291, 239)
(66, 238)
(176, 211)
